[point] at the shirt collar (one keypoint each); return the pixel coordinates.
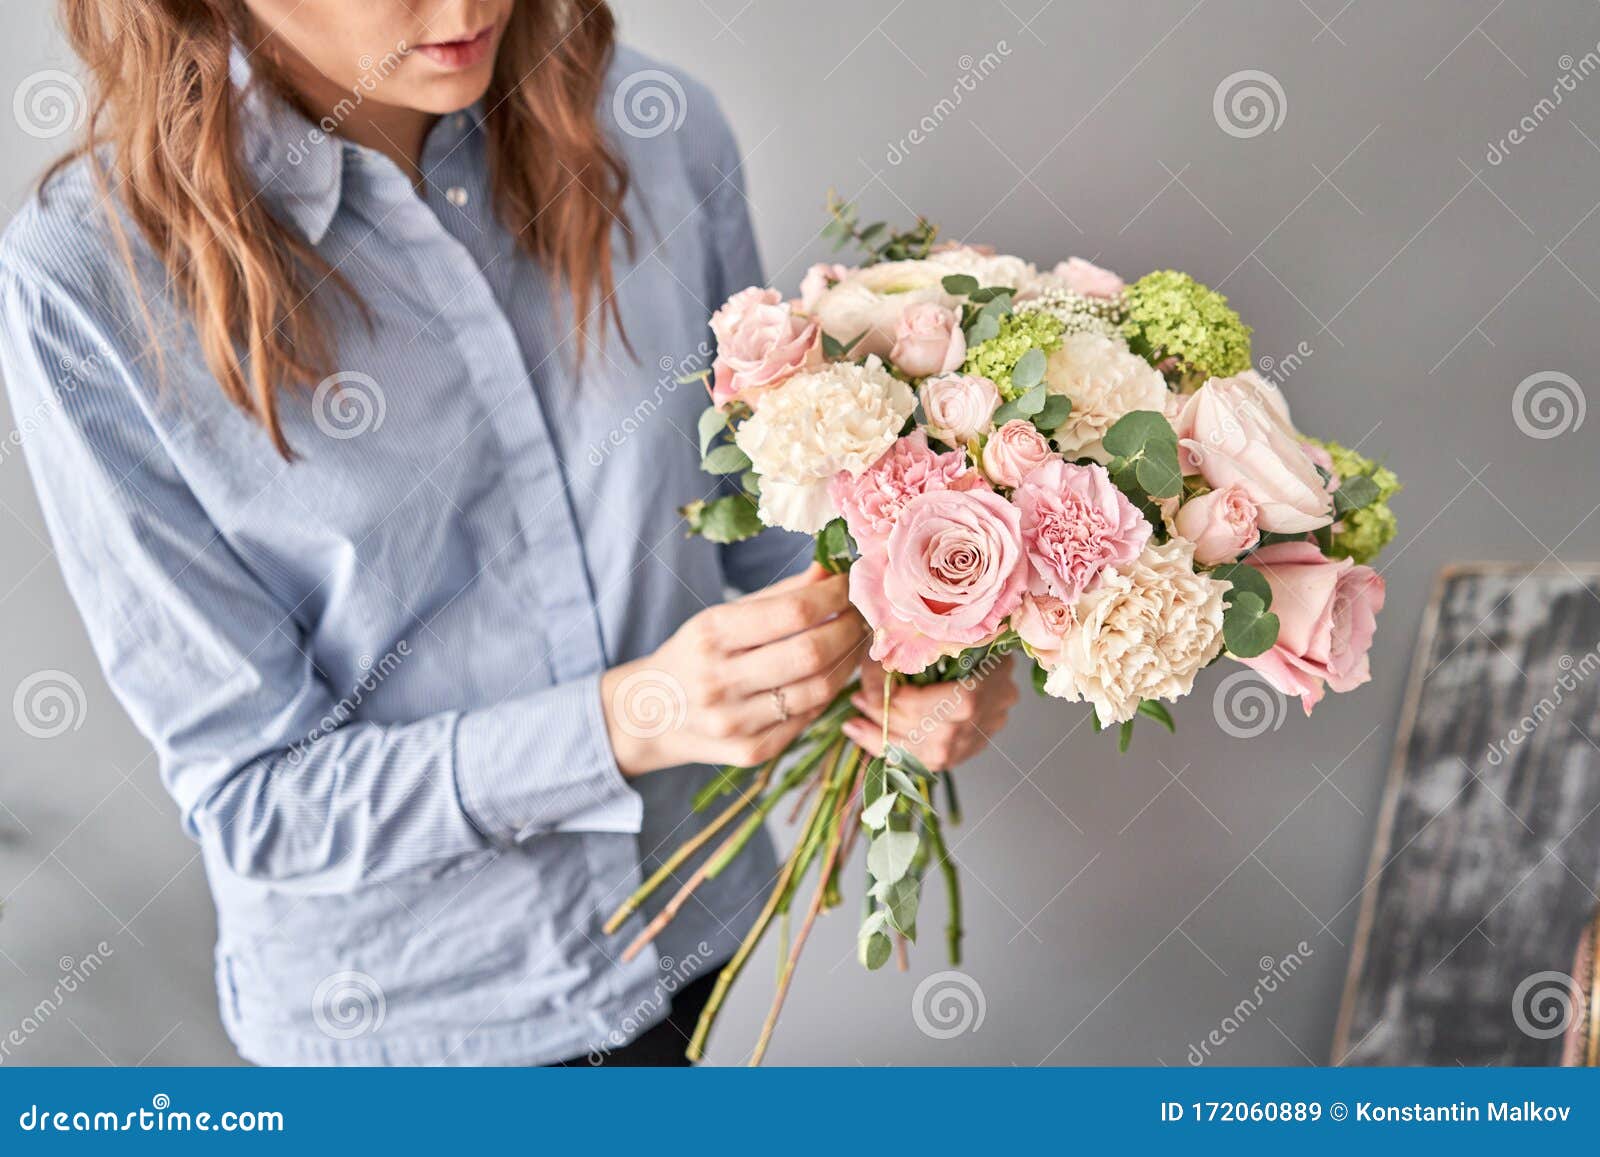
(297, 165)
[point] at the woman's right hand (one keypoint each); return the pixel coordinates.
(739, 681)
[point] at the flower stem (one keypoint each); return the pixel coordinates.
(947, 866)
(817, 898)
(690, 847)
(730, 971)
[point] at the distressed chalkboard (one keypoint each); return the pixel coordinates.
(1487, 856)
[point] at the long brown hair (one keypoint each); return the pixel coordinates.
(166, 106)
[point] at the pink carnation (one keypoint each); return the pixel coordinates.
(872, 500)
(761, 341)
(951, 571)
(1075, 523)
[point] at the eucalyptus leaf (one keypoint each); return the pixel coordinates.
(960, 284)
(876, 814)
(727, 519)
(1354, 493)
(983, 327)
(725, 459)
(1056, 409)
(1245, 578)
(1024, 405)
(1248, 628)
(901, 899)
(890, 854)
(875, 950)
(712, 422)
(873, 785)
(1029, 371)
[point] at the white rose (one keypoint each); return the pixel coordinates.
(1143, 633)
(839, 417)
(867, 303)
(1105, 382)
(992, 268)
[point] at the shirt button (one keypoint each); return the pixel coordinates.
(456, 195)
(461, 120)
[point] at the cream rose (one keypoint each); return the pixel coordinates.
(841, 417)
(959, 407)
(867, 303)
(1105, 382)
(1142, 633)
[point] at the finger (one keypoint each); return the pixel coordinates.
(811, 574)
(831, 649)
(865, 736)
(764, 618)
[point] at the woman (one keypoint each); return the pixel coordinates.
(337, 343)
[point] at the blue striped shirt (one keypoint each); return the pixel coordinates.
(371, 674)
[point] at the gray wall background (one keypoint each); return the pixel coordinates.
(1118, 909)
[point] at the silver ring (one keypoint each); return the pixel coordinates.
(779, 703)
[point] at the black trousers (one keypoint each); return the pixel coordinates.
(661, 1046)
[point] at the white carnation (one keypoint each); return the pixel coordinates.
(1142, 633)
(839, 417)
(1105, 382)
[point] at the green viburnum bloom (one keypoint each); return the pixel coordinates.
(1170, 314)
(1019, 332)
(1362, 533)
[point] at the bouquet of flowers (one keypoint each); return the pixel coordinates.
(1013, 460)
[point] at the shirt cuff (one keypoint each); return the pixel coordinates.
(543, 763)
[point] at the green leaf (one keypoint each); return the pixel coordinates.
(960, 284)
(712, 422)
(989, 292)
(1025, 405)
(835, 349)
(1125, 737)
(750, 483)
(876, 950)
(1056, 409)
(899, 757)
(1152, 709)
(1039, 677)
(1248, 628)
(876, 814)
(890, 854)
(727, 519)
(725, 459)
(1158, 471)
(1245, 579)
(1130, 434)
(983, 327)
(901, 899)
(874, 785)
(1029, 370)
(1354, 493)
(1146, 451)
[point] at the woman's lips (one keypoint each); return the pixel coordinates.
(466, 53)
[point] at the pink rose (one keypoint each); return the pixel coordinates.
(1087, 279)
(1236, 431)
(1042, 623)
(1075, 523)
(949, 574)
(871, 501)
(820, 278)
(958, 406)
(1014, 450)
(1327, 612)
(761, 341)
(928, 340)
(1221, 524)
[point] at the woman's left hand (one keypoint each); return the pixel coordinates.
(942, 724)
